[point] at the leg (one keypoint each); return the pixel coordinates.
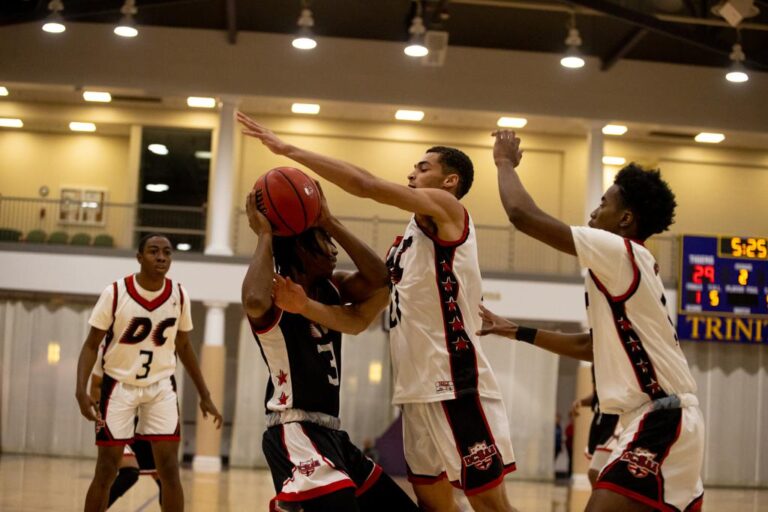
(603, 500)
(166, 455)
(436, 497)
(127, 476)
(592, 474)
(106, 470)
(492, 500)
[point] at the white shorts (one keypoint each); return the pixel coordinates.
(658, 458)
(155, 406)
(465, 439)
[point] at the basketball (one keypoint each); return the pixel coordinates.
(289, 199)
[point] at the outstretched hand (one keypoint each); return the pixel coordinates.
(289, 296)
(494, 324)
(507, 147)
(265, 135)
(207, 407)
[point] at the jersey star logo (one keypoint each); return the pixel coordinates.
(282, 378)
(283, 399)
(448, 285)
(444, 266)
(653, 386)
(452, 304)
(461, 344)
(643, 365)
(456, 324)
(634, 344)
(625, 324)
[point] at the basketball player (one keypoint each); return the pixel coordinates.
(640, 370)
(455, 427)
(314, 465)
(137, 456)
(145, 318)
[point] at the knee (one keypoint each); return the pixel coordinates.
(168, 470)
(592, 474)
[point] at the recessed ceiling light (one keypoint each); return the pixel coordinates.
(614, 129)
(409, 115)
(158, 149)
(614, 160)
(201, 102)
(305, 108)
(7, 122)
(3, 91)
(203, 155)
(157, 187)
(76, 126)
(709, 138)
(98, 96)
(183, 246)
(511, 122)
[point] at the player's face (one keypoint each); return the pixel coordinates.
(608, 215)
(155, 259)
(427, 172)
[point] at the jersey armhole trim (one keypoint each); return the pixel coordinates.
(277, 315)
(635, 278)
(447, 243)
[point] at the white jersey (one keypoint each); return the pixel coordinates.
(636, 351)
(436, 291)
(140, 345)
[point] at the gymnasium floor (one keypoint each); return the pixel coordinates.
(29, 483)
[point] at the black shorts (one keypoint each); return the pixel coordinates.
(308, 461)
(142, 449)
(601, 430)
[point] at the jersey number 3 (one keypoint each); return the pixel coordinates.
(327, 350)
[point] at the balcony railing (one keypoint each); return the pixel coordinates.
(502, 250)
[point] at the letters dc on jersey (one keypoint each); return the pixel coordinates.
(436, 291)
(636, 351)
(140, 345)
(304, 360)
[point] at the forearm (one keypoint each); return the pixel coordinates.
(257, 284)
(349, 177)
(347, 318)
(577, 346)
(517, 202)
(189, 360)
(84, 367)
(369, 265)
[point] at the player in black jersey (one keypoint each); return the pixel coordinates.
(297, 316)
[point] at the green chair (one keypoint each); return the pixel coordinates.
(80, 239)
(36, 236)
(103, 240)
(58, 237)
(9, 235)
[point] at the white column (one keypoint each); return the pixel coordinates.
(594, 168)
(207, 457)
(219, 240)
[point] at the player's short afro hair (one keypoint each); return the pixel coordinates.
(649, 197)
(455, 160)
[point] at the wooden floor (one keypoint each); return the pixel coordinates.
(56, 484)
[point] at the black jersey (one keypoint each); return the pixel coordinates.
(304, 360)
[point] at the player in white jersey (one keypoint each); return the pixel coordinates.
(640, 370)
(455, 427)
(144, 320)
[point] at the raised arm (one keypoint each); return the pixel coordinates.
(257, 284)
(442, 206)
(577, 346)
(189, 360)
(518, 203)
(89, 407)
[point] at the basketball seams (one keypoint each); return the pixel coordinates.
(272, 204)
(277, 192)
(298, 196)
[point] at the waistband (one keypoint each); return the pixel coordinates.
(668, 402)
(294, 415)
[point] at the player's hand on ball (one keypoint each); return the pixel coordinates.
(288, 295)
(256, 220)
(269, 139)
(507, 147)
(494, 324)
(89, 407)
(207, 407)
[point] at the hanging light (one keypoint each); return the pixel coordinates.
(305, 38)
(573, 58)
(54, 23)
(416, 46)
(127, 25)
(737, 73)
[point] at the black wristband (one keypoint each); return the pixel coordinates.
(526, 334)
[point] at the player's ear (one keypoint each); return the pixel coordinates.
(627, 218)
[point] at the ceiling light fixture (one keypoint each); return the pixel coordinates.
(203, 155)
(573, 58)
(305, 38)
(409, 115)
(511, 122)
(157, 187)
(183, 246)
(127, 25)
(7, 122)
(305, 108)
(97, 96)
(76, 126)
(54, 23)
(201, 102)
(614, 160)
(709, 138)
(416, 46)
(614, 129)
(158, 149)
(737, 73)
(3, 91)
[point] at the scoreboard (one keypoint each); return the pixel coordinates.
(723, 289)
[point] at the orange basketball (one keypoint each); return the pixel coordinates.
(289, 199)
